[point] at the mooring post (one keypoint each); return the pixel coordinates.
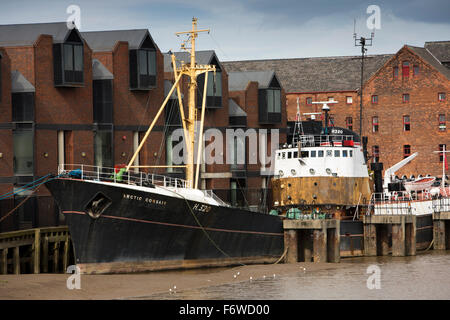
(320, 245)
(333, 244)
(66, 253)
(398, 238)
(37, 251)
(291, 242)
(4, 261)
(55, 256)
(383, 240)
(45, 255)
(438, 232)
(370, 240)
(410, 237)
(16, 260)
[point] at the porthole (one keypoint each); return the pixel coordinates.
(328, 170)
(312, 171)
(281, 173)
(293, 172)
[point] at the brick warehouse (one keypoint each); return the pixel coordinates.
(57, 107)
(93, 104)
(417, 125)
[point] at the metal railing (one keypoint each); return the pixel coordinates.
(382, 204)
(96, 173)
(321, 140)
(441, 205)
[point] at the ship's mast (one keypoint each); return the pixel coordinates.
(192, 70)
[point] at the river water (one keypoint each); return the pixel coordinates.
(425, 276)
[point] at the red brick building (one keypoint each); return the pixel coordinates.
(405, 111)
(63, 102)
(394, 127)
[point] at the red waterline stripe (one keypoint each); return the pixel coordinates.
(180, 225)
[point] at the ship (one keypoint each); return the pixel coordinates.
(124, 219)
(324, 174)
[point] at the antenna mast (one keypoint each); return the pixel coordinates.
(363, 43)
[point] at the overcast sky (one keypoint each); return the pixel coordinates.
(254, 29)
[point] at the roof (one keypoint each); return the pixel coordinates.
(27, 34)
(201, 57)
(100, 72)
(428, 57)
(106, 40)
(234, 110)
(239, 80)
(439, 49)
(316, 74)
(19, 83)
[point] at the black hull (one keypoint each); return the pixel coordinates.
(145, 231)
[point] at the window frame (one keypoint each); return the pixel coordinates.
(349, 123)
(395, 72)
(375, 154)
(416, 67)
(442, 122)
(405, 69)
(443, 96)
(405, 95)
(441, 154)
(406, 151)
(347, 98)
(309, 103)
(406, 123)
(374, 99)
(375, 124)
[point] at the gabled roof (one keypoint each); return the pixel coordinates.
(27, 34)
(100, 72)
(428, 57)
(325, 74)
(239, 80)
(19, 83)
(201, 57)
(106, 40)
(439, 49)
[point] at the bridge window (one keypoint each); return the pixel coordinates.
(295, 156)
(289, 155)
(320, 153)
(344, 153)
(304, 154)
(313, 153)
(337, 153)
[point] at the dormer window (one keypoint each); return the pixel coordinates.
(68, 61)
(269, 101)
(143, 66)
(213, 89)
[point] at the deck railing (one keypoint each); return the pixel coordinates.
(96, 173)
(324, 140)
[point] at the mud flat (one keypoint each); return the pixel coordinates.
(140, 286)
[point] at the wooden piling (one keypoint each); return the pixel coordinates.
(398, 240)
(291, 242)
(410, 238)
(66, 254)
(319, 245)
(4, 261)
(37, 251)
(441, 230)
(55, 257)
(333, 245)
(45, 255)
(370, 240)
(16, 260)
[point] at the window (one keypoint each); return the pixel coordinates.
(374, 99)
(142, 65)
(331, 119)
(329, 153)
(22, 106)
(406, 151)
(320, 153)
(68, 61)
(349, 123)
(442, 124)
(213, 90)
(23, 158)
(376, 154)
(415, 70)
(344, 153)
(349, 100)
(304, 154)
(375, 124)
(103, 148)
(295, 155)
(289, 155)
(102, 92)
(147, 68)
(395, 72)
(337, 153)
(269, 101)
(405, 98)
(441, 96)
(330, 98)
(406, 123)
(313, 153)
(309, 101)
(405, 69)
(73, 63)
(441, 154)
(351, 153)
